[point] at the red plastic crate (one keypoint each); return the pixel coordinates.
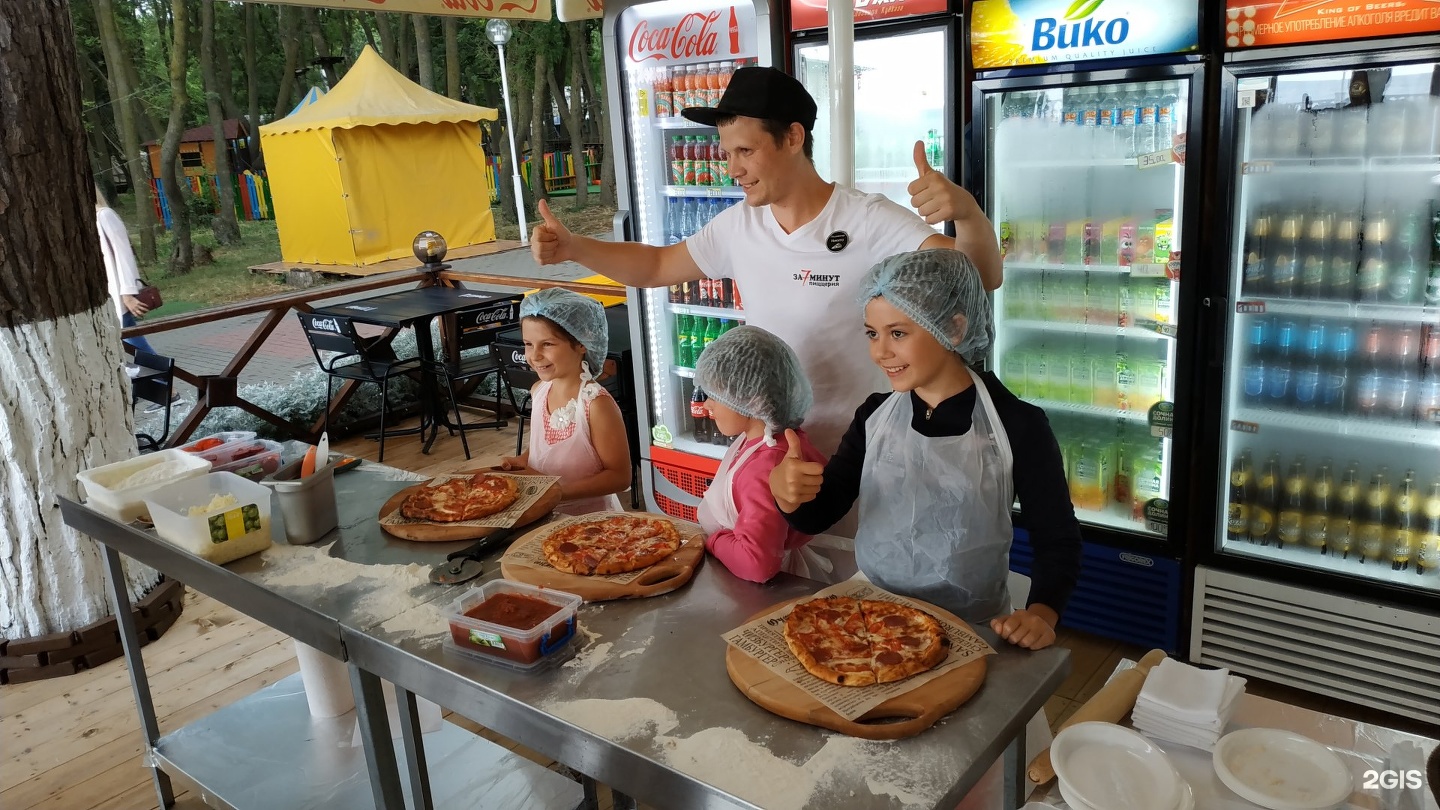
(691, 474)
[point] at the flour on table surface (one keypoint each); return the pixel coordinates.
(427, 622)
(616, 719)
(383, 591)
(588, 659)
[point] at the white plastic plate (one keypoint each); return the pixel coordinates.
(1113, 768)
(1281, 770)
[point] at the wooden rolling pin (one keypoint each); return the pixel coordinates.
(1110, 705)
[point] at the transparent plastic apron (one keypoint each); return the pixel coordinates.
(935, 512)
(717, 511)
(571, 459)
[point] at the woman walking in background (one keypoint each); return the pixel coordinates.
(121, 271)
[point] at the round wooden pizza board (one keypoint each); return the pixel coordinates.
(899, 717)
(662, 577)
(441, 533)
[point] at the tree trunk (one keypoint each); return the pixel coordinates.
(252, 86)
(504, 208)
(367, 24)
(452, 57)
(182, 258)
(576, 125)
(423, 57)
(224, 225)
(65, 398)
(290, 41)
(607, 160)
(225, 71)
(135, 160)
(388, 49)
(402, 46)
(317, 41)
(95, 148)
(539, 118)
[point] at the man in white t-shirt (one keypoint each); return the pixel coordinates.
(799, 246)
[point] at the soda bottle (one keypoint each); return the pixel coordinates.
(1293, 505)
(699, 416)
(1413, 238)
(1427, 556)
(1368, 385)
(1317, 520)
(1374, 527)
(1344, 259)
(735, 289)
(1374, 273)
(1427, 395)
(1335, 384)
(693, 96)
(1237, 518)
(1257, 346)
(1407, 528)
(1256, 279)
(1285, 266)
(690, 160)
(702, 161)
(712, 331)
(677, 161)
(1344, 523)
(1314, 261)
(664, 90)
(689, 345)
(1266, 503)
(1407, 277)
(1399, 387)
(726, 325)
(712, 84)
(1308, 377)
(1280, 371)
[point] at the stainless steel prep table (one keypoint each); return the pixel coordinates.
(668, 649)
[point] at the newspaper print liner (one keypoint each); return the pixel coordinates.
(531, 552)
(531, 488)
(763, 639)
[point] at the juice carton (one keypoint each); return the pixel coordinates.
(1075, 242)
(1030, 241)
(1145, 242)
(1164, 230)
(1055, 243)
(1091, 245)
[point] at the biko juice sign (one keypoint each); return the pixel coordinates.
(1005, 33)
(723, 32)
(1251, 24)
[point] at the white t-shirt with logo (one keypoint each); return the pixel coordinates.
(804, 287)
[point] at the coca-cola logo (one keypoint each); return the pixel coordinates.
(694, 35)
(487, 5)
(325, 324)
(595, 5)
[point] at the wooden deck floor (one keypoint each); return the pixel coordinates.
(73, 743)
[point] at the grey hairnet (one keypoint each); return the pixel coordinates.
(757, 375)
(936, 288)
(582, 317)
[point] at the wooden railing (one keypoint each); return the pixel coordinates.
(222, 390)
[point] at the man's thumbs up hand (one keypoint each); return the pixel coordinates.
(550, 240)
(932, 194)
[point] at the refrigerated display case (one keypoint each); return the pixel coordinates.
(660, 58)
(1323, 569)
(1086, 179)
(892, 109)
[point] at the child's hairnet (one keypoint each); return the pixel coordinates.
(582, 317)
(936, 288)
(757, 375)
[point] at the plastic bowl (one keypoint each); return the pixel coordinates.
(1281, 770)
(119, 490)
(1109, 767)
(219, 535)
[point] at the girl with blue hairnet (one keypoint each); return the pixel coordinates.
(937, 463)
(577, 432)
(757, 389)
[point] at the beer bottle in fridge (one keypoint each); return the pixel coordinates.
(1266, 503)
(1427, 555)
(1285, 266)
(1317, 521)
(1344, 259)
(1374, 525)
(1292, 507)
(1340, 537)
(1237, 521)
(1257, 246)
(1405, 535)
(1314, 256)
(1372, 374)
(1374, 272)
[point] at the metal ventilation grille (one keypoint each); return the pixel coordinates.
(1373, 655)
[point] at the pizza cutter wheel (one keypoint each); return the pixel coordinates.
(466, 564)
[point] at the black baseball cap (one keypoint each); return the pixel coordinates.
(760, 92)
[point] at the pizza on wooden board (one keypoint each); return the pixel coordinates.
(480, 495)
(614, 544)
(859, 642)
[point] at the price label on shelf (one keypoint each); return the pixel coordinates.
(1148, 271)
(1162, 420)
(1257, 167)
(1244, 427)
(1164, 157)
(1166, 329)
(1245, 99)
(1250, 307)
(1157, 516)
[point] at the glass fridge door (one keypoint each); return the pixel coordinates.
(1086, 195)
(892, 109)
(1333, 383)
(680, 181)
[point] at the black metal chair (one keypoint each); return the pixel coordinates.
(520, 380)
(155, 384)
(476, 328)
(353, 358)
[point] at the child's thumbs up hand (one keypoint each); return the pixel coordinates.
(550, 239)
(794, 480)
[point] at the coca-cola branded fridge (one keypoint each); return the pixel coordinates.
(908, 56)
(1321, 568)
(671, 179)
(1082, 114)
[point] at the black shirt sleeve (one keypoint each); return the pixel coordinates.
(1038, 476)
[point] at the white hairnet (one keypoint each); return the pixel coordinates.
(755, 374)
(941, 291)
(582, 317)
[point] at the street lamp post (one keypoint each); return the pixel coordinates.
(498, 32)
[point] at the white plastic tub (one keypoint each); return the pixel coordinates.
(219, 534)
(119, 489)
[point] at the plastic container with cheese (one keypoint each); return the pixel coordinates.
(502, 623)
(218, 517)
(119, 490)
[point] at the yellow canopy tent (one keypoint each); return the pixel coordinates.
(356, 174)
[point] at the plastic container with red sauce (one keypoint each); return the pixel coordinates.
(512, 624)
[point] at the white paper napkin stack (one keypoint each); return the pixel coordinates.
(1186, 704)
